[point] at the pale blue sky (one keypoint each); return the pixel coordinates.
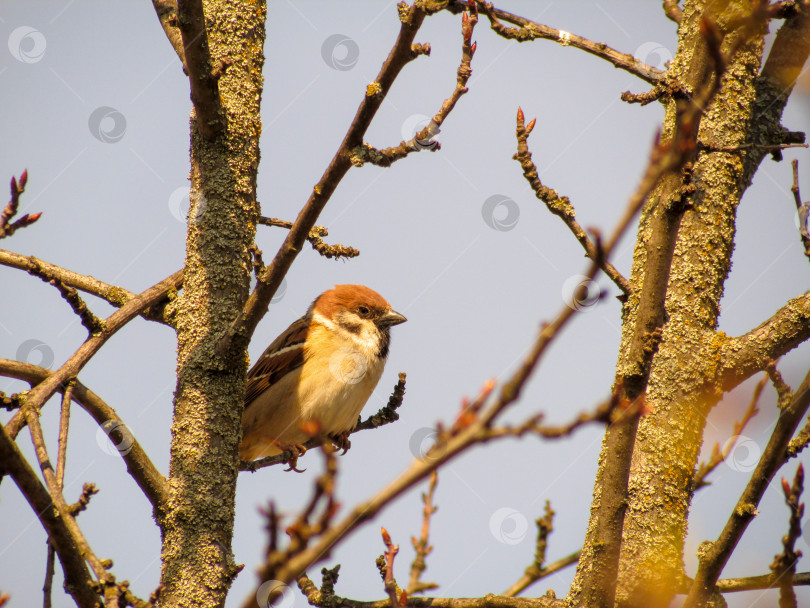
(474, 295)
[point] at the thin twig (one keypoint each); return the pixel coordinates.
(315, 239)
(17, 188)
(78, 580)
(802, 209)
(391, 588)
(91, 323)
(530, 30)
(423, 140)
(560, 205)
(43, 391)
(784, 564)
(719, 455)
(422, 544)
(529, 578)
(714, 559)
(117, 296)
(140, 467)
(401, 54)
(673, 11)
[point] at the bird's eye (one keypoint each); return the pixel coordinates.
(363, 310)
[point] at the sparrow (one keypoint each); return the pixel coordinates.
(314, 379)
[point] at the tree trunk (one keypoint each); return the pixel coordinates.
(197, 526)
(684, 381)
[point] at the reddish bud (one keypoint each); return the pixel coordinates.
(13, 185)
(33, 217)
(530, 126)
(473, 47)
(520, 115)
(403, 598)
(385, 536)
(464, 19)
(24, 178)
(786, 488)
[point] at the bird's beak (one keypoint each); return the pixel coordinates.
(392, 317)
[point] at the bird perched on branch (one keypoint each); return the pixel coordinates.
(315, 378)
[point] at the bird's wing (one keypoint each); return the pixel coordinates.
(285, 354)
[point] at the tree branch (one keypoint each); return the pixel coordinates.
(560, 205)
(315, 239)
(203, 82)
(256, 306)
(117, 296)
(78, 580)
(424, 138)
(742, 357)
(784, 564)
(167, 13)
(139, 466)
(71, 368)
(719, 455)
(10, 210)
(422, 544)
(802, 209)
(714, 555)
(530, 30)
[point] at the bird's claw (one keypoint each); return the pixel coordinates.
(341, 441)
(296, 450)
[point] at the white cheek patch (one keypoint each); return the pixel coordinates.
(367, 340)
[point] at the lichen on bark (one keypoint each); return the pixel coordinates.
(197, 526)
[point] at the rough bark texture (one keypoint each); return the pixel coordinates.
(197, 563)
(683, 385)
